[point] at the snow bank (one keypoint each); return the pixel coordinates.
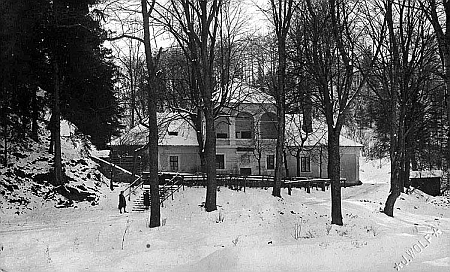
(26, 182)
(257, 233)
(374, 171)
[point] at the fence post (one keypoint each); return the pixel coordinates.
(113, 172)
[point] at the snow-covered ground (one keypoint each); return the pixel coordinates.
(258, 233)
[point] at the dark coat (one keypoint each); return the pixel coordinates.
(122, 201)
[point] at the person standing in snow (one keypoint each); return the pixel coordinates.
(122, 202)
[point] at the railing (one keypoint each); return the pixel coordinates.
(133, 186)
(308, 182)
(177, 181)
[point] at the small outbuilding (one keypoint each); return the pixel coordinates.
(427, 181)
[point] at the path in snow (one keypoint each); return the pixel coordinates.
(257, 234)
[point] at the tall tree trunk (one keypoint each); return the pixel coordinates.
(286, 167)
(395, 156)
(208, 20)
(394, 148)
(297, 156)
(197, 120)
(409, 149)
(334, 174)
(58, 178)
(414, 163)
(133, 102)
(444, 43)
(155, 210)
(281, 108)
(51, 126)
(320, 161)
(402, 174)
(395, 190)
(447, 83)
(406, 182)
(281, 18)
(259, 165)
(210, 154)
(279, 154)
(5, 150)
(34, 116)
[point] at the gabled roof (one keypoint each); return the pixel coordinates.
(177, 131)
(317, 137)
(242, 93)
(173, 131)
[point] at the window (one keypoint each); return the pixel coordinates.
(305, 164)
(243, 134)
(220, 161)
(245, 171)
(246, 134)
(222, 125)
(173, 163)
(173, 133)
(222, 135)
(245, 149)
(268, 126)
(244, 125)
(270, 161)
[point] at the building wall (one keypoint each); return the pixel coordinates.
(319, 163)
(236, 161)
(188, 158)
(243, 162)
(241, 155)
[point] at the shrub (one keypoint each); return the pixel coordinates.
(328, 227)
(297, 230)
(220, 218)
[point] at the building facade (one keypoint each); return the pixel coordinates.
(246, 139)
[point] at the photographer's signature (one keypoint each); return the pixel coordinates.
(417, 248)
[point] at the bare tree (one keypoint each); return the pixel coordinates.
(125, 35)
(194, 25)
(280, 15)
(183, 94)
(298, 138)
(124, 15)
(400, 82)
(330, 46)
(132, 62)
(155, 212)
(56, 109)
(436, 13)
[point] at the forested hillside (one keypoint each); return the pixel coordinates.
(26, 181)
(53, 60)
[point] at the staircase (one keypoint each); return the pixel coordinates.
(165, 191)
(138, 204)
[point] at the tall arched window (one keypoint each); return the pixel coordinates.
(222, 127)
(268, 126)
(244, 126)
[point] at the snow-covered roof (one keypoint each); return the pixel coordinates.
(177, 131)
(294, 133)
(173, 131)
(426, 174)
(241, 93)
